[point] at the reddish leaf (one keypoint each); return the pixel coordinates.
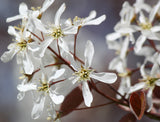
(138, 104)
(71, 101)
(128, 118)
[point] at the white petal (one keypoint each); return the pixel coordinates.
(96, 21)
(155, 69)
(57, 99)
(17, 17)
(113, 36)
(139, 43)
(8, 55)
(12, 31)
(117, 64)
(46, 5)
(158, 82)
(154, 11)
(124, 48)
(149, 99)
(155, 28)
(39, 25)
(88, 53)
(142, 18)
(38, 107)
(57, 74)
(33, 46)
(87, 95)
(59, 13)
(70, 30)
(26, 87)
(42, 48)
(136, 87)
(27, 64)
(62, 43)
(92, 15)
(143, 72)
(23, 9)
(20, 96)
(75, 79)
(104, 77)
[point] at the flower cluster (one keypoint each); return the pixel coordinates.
(48, 61)
(137, 33)
(59, 80)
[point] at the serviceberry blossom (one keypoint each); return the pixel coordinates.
(149, 81)
(90, 20)
(56, 31)
(59, 80)
(45, 91)
(22, 47)
(31, 15)
(85, 73)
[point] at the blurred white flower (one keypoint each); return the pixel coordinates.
(45, 91)
(149, 81)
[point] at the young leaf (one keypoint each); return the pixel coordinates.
(138, 104)
(129, 117)
(71, 101)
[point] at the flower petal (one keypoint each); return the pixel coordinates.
(59, 13)
(8, 55)
(17, 17)
(96, 21)
(20, 95)
(23, 9)
(87, 95)
(26, 87)
(70, 30)
(92, 15)
(136, 87)
(88, 53)
(38, 107)
(57, 99)
(12, 31)
(42, 48)
(46, 5)
(113, 36)
(104, 77)
(27, 64)
(57, 74)
(149, 99)
(139, 43)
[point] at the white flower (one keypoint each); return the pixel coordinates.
(86, 73)
(25, 13)
(124, 28)
(44, 89)
(22, 46)
(148, 31)
(149, 82)
(55, 32)
(90, 20)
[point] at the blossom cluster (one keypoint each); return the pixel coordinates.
(137, 33)
(48, 60)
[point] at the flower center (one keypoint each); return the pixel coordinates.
(22, 45)
(44, 87)
(146, 26)
(151, 81)
(57, 33)
(77, 20)
(83, 74)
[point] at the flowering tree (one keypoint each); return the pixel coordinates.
(55, 75)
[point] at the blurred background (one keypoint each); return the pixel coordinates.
(11, 110)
